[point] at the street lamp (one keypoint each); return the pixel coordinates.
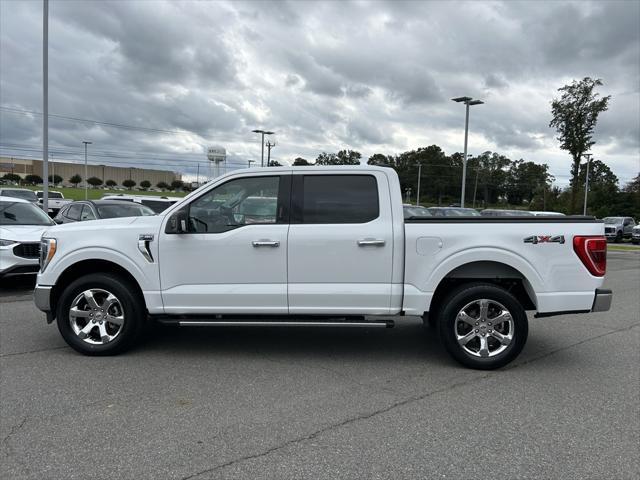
(586, 183)
(263, 132)
(86, 184)
(468, 101)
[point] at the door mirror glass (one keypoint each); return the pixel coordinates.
(178, 222)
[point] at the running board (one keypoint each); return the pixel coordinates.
(283, 323)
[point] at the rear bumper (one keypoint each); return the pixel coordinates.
(602, 300)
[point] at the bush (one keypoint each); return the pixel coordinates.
(145, 184)
(33, 179)
(111, 183)
(75, 180)
(94, 181)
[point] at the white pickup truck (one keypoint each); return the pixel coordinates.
(56, 201)
(318, 246)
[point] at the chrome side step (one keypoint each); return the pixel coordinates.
(283, 323)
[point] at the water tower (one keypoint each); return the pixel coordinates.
(216, 156)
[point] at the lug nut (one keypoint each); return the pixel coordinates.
(476, 324)
(477, 331)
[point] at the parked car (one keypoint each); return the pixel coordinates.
(157, 204)
(618, 228)
(635, 236)
(453, 212)
(498, 212)
(56, 201)
(547, 214)
(23, 193)
(411, 211)
(335, 249)
(84, 210)
(21, 226)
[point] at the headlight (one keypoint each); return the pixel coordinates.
(48, 247)
(6, 243)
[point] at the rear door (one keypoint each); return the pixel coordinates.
(340, 244)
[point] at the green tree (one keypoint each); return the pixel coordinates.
(32, 179)
(162, 185)
(145, 184)
(524, 180)
(380, 160)
(274, 163)
(575, 115)
(12, 177)
(75, 180)
(94, 181)
(128, 183)
(55, 179)
(110, 183)
(177, 184)
(343, 157)
(301, 162)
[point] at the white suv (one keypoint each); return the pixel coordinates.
(21, 226)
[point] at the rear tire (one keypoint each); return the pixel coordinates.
(482, 326)
(100, 314)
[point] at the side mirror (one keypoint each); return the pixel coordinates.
(178, 222)
(58, 221)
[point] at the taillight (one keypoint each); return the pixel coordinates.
(593, 253)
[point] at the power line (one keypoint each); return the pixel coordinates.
(19, 111)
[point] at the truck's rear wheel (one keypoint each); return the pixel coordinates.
(482, 326)
(100, 314)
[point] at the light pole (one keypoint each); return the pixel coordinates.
(263, 133)
(86, 184)
(419, 175)
(468, 101)
(586, 183)
(45, 105)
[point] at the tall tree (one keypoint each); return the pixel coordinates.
(343, 157)
(301, 162)
(575, 115)
(603, 188)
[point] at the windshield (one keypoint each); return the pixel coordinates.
(18, 213)
(613, 220)
(24, 194)
(124, 210)
(157, 206)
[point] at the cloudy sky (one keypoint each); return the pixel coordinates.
(372, 76)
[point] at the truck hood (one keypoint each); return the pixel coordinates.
(151, 223)
(22, 233)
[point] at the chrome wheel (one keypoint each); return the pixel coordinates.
(96, 316)
(484, 328)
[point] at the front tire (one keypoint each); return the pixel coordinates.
(482, 326)
(100, 314)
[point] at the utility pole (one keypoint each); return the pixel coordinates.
(468, 101)
(198, 175)
(586, 182)
(45, 105)
(263, 133)
(86, 183)
(419, 175)
(269, 147)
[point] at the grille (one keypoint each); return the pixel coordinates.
(27, 250)
(609, 229)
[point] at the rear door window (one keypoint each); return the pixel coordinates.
(339, 199)
(74, 212)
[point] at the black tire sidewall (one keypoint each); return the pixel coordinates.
(128, 300)
(466, 294)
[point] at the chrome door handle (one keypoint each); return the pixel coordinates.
(265, 243)
(370, 242)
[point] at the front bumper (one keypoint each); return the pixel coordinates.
(602, 300)
(42, 297)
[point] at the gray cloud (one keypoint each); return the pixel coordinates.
(324, 75)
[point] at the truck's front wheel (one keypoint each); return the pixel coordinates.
(100, 314)
(482, 326)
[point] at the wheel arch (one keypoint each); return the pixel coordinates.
(485, 271)
(84, 267)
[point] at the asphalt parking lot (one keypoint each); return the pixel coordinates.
(273, 403)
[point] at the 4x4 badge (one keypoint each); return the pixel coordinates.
(544, 239)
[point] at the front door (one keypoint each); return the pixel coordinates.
(233, 256)
(340, 244)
